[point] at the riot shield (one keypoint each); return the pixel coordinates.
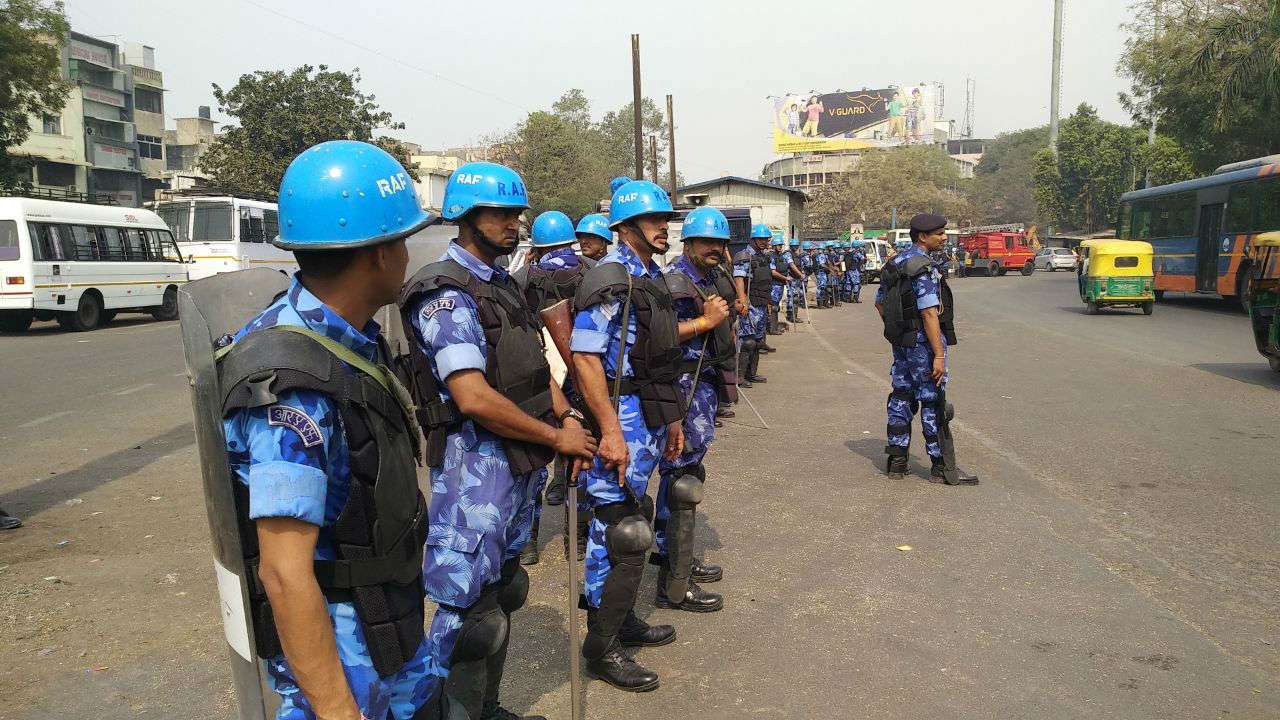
(208, 309)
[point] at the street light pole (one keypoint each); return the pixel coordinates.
(1056, 81)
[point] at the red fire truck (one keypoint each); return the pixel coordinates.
(996, 249)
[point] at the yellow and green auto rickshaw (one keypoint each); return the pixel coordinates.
(1116, 273)
(1264, 297)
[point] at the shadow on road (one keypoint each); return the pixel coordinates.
(1104, 312)
(1252, 373)
(873, 450)
(50, 328)
(47, 492)
(1199, 302)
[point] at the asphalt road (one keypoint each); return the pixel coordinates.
(1121, 558)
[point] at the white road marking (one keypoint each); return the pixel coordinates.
(132, 390)
(47, 418)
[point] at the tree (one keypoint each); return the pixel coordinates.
(618, 130)
(281, 114)
(1168, 161)
(1097, 161)
(1242, 47)
(30, 77)
(910, 179)
(1001, 191)
(1181, 76)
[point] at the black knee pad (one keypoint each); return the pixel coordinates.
(484, 629)
(629, 539)
(685, 491)
(514, 590)
(748, 345)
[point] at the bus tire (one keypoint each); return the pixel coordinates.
(1029, 268)
(16, 321)
(87, 315)
(168, 309)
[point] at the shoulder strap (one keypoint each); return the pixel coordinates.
(916, 265)
(601, 282)
(442, 273)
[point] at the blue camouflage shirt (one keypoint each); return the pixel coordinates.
(742, 268)
(559, 259)
(687, 309)
(597, 329)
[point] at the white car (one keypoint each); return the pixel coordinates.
(1055, 259)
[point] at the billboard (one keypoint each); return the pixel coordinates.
(805, 122)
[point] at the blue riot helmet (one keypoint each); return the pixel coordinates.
(552, 228)
(616, 183)
(795, 243)
(706, 222)
(806, 245)
(760, 231)
(595, 224)
(346, 194)
(777, 242)
(483, 184)
(636, 198)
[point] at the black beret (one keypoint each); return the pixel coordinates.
(927, 223)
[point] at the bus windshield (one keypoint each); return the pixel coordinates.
(9, 240)
(212, 222)
(177, 215)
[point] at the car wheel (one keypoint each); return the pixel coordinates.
(1049, 267)
(86, 316)
(993, 270)
(1028, 269)
(168, 309)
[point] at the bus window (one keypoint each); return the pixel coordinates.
(162, 246)
(84, 242)
(1182, 215)
(1141, 221)
(1268, 206)
(110, 243)
(9, 249)
(271, 224)
(136, 244)
(1239, 209)
(212, 222)
(251, 225)
(177, 215)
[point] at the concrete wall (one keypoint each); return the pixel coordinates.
(777, 208)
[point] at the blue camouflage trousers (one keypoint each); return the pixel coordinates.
(645, 446)
(847, 284)
(911, 376)
(753, 324)
(822, 282)
(699, 431)
(481, 515)
(855, 277)
(795, 297)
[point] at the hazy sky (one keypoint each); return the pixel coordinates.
(453, 72)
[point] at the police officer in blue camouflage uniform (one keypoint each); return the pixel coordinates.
(626, 354)
(489, 410)
(859, 262)
(796, 283)
(313, 424)
(753, 276)
(594, 236)
(707, 344)
(914, 302)
(821, 265)
(779, 260)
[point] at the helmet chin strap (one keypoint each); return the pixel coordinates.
(486, 241)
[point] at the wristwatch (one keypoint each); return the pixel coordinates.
(573, 413)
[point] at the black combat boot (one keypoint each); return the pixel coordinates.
(897, 467)
(705, 572)
(938, 474)
(529, 553)
(695, 598)
(638, 633)
(8, 522)
(493, 711)
(619, 670)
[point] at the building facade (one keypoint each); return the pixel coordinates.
(184, 146)
(776, 206)
(107, 138)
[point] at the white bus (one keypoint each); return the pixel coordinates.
(220, 233)
(81, 264)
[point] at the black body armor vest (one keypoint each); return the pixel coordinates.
(543, 288)
(655, 356)
(902, 318)
(515, 364)
(719, 351)
(759, 276)
(380, 531)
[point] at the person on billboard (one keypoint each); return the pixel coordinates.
(915, 113)
(814, 111)
(793, 118)
(897, 123)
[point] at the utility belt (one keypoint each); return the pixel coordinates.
(660, 401)
(443, 418)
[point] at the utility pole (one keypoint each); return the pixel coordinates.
(671, 147)
(635, 105)
(653, 157)
(1056, 81)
